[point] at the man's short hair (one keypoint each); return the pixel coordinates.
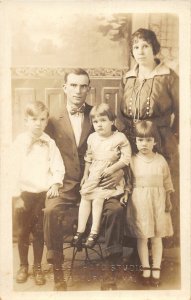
(77, 71)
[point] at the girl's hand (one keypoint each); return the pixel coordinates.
(19, 204)
(53, 191)
(168, 204)
(112, 180)
(124, 199)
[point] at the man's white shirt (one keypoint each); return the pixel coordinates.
(76, 122)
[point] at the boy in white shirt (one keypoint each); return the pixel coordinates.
(38, 172)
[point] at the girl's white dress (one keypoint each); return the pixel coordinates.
(146, 216)
(101, 153)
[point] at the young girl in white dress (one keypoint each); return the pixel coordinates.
(101, 160)
(148, 210)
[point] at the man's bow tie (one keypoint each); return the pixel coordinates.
(74, 111)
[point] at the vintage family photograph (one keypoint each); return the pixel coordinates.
(95, 143)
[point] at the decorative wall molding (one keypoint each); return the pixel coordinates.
(59, 72)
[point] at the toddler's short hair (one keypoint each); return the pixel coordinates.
(102, 109)
(34, 108)
(144, 129)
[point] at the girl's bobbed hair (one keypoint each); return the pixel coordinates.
(34, 108)
(147, 35)
(145, 129)
(102, 109)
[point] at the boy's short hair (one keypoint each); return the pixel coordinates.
(35, 107)
(77, 71)
(102, 109)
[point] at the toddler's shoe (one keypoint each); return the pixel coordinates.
(22, 274)
(38, 275)
(145, 280)
(77, 240)
(91, 240)
(155, 282)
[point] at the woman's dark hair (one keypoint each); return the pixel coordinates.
(147, 35)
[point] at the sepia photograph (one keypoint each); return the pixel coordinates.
(95, 149)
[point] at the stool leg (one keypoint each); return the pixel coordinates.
(87, 256)
(75, 250)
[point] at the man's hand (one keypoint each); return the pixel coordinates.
(107, 172)
(124, 198)
(19, 204)
(112, 180)
(53, 191)
(168, 204)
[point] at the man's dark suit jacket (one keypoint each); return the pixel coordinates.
(59, 128)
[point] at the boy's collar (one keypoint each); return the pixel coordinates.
(43, 137)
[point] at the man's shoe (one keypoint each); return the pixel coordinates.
(38, 276)
(60, 286)
(59, 282)
(22, 274)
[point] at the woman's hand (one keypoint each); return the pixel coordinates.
(53, 191)
(107, 172)
(112, 180)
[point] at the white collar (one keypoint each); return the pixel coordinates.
(160, 69)
(70, 107)
(44, 137)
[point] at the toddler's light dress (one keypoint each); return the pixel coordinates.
(146, 216)
(101, 153)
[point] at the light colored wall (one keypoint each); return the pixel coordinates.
(166, 27)
(55, 35)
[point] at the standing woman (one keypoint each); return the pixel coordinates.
(150, 91)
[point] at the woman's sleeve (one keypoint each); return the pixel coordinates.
(125, 150)
(167, 181)
(128, 175)
(174, 92)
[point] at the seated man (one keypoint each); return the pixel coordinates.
(70, 131)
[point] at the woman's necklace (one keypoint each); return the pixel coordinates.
(134, 105)
(145, 72)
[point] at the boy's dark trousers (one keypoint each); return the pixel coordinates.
(30, 220)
